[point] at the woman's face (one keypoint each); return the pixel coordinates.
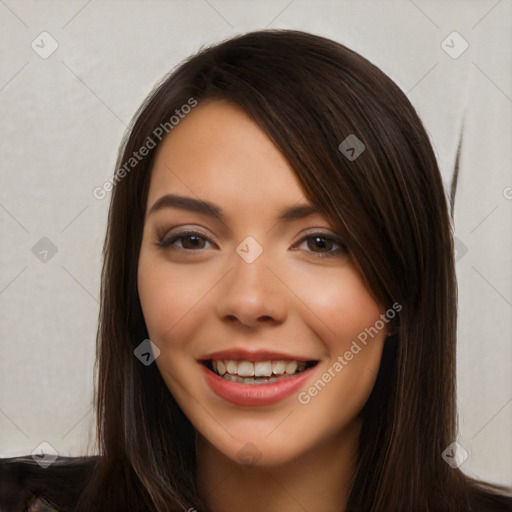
(256, 288)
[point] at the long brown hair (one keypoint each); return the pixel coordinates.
(308, 94)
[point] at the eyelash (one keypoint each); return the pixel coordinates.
(167, 242)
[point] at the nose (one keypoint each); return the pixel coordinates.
(251, 295)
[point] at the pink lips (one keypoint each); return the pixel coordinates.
(254, 394)
(241, 354)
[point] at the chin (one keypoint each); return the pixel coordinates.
(246, 451)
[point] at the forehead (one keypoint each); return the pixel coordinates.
(218, 152)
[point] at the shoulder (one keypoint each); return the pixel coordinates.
(25, 486)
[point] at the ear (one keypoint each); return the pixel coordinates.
(392, 328)
(393, 319)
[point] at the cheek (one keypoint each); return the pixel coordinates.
(170, 299)
(167, 297)
(342, 305)
(348, 320)
(346, 314)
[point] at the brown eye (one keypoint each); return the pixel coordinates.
(187, 241)
(192, 242)
(323, 245)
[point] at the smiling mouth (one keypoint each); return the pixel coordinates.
(257, 372)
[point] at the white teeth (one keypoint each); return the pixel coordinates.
(291, 367)
(278, 367)
(221, 367)
(245, 369)
(232, 367)
(242, 371)
(263, 369)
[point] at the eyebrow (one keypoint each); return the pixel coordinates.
(192, 204)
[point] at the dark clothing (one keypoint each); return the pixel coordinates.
(25, 486)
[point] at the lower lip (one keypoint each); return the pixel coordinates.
(255, 394)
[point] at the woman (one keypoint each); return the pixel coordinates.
(279, 231)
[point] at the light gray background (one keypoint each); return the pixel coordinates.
(63, 118)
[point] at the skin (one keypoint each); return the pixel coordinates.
(290, 299)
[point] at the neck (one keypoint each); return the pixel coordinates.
(318, 480)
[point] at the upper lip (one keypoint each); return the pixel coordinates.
(243, 354)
